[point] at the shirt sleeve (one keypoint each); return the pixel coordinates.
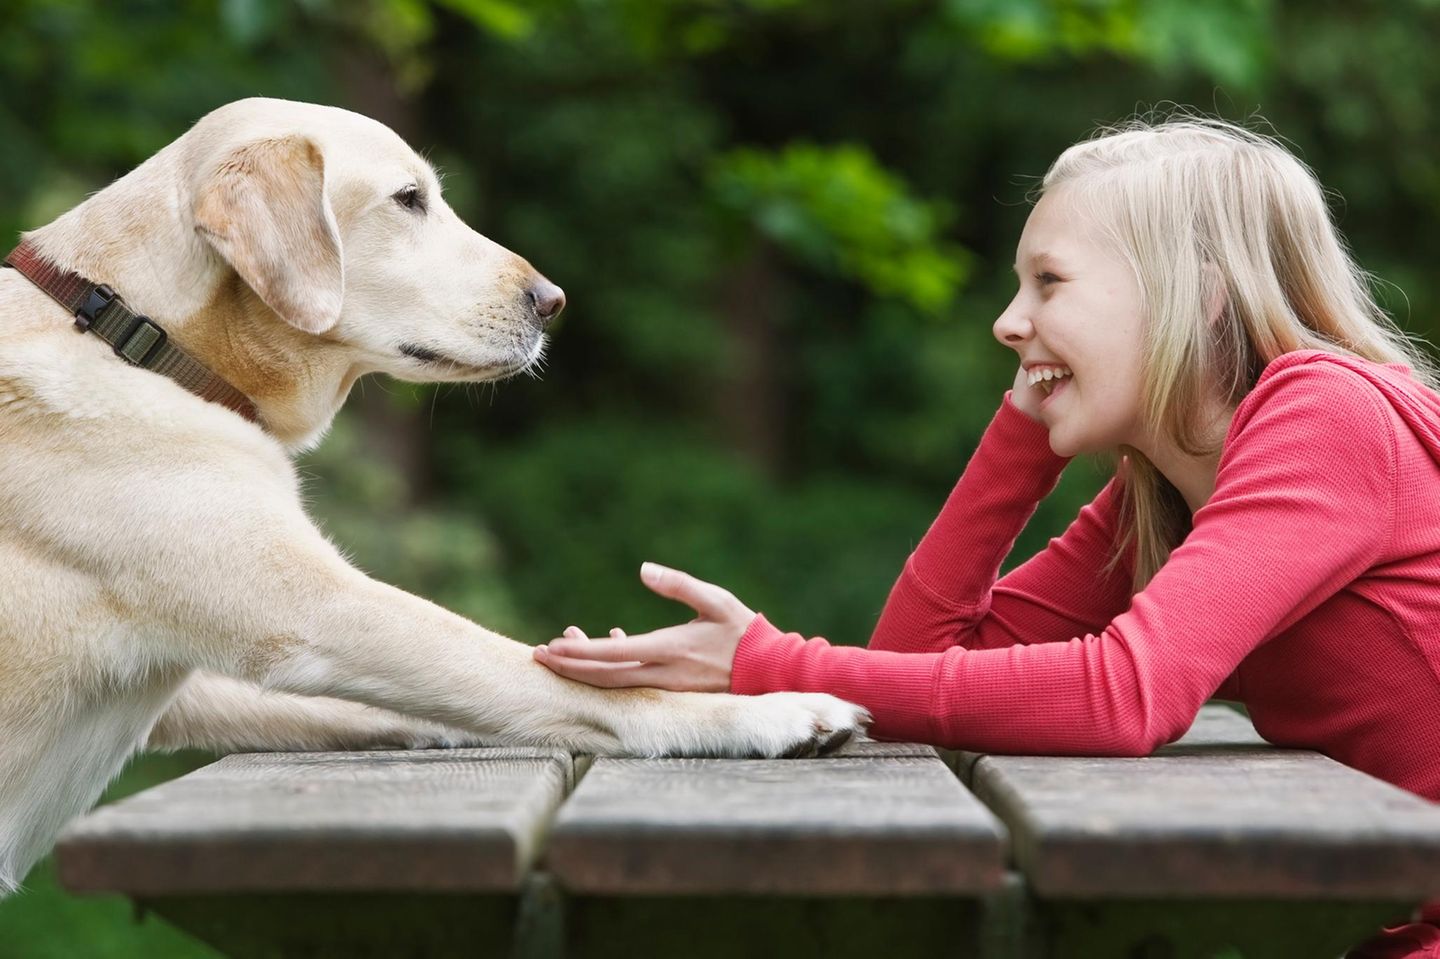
(947, 594)
(1311, 450)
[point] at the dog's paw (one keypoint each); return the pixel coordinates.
(773, 726)
(796, 725)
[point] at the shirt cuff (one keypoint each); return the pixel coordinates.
(759, 665)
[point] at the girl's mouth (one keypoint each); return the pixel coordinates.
(1060, 386)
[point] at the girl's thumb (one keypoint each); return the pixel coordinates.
(652, 573)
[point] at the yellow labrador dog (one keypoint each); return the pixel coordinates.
(160, 583)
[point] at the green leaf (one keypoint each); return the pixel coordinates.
(509, 21)
(839, 211)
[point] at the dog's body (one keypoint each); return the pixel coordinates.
(160, 583)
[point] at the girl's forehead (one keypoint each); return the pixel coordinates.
(1059, 228)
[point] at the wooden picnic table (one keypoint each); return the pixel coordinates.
(1219, 845)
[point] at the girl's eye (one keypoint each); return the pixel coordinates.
(1045, 279)
(411, 199)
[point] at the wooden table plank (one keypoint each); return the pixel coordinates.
(870, 749)
(884, 825)
(880, 749)
(419, 820)
(1218, 813)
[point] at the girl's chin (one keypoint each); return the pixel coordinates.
(1060, 448)
(1062, 443)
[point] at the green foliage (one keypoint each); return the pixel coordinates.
(839, 210)
(441, 554)
(502, 18)
(1226, 39)
(820, 553)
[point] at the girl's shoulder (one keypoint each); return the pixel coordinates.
(1306, 391)
(1329, 405)
(1337, 365)
(1325, 428)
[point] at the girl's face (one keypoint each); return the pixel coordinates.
(1078, 308)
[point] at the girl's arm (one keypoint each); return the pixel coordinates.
(947, 594)
(1303, 505)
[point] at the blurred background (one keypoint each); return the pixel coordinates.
(784, 228)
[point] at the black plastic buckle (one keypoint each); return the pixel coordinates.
(99, 298)
(140, 341)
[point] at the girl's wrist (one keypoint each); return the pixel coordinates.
(747, 669)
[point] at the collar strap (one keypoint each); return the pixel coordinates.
(136, 338)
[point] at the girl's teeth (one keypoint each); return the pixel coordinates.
(1048, 374)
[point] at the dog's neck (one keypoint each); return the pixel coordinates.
(137, 236)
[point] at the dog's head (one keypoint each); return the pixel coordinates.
(340, 229)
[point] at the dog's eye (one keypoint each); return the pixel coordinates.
(411, 199)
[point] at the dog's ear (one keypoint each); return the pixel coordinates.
(265, 210)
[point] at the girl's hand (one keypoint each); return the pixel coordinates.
(1027, 398)
(693, 657)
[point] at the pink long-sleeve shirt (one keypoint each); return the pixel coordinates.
(1308, 589)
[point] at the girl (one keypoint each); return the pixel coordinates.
(1271, 534)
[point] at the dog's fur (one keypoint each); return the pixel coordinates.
(160, 584)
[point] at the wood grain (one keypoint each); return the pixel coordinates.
(869, 825)
(1218, 813)
(433, 820)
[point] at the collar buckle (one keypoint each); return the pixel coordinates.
(95, 304)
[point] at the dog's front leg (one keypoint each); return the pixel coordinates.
(267, 599)
(224, 715)
(370, 642)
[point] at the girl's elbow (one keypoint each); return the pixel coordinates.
(1154, 733)
(1122, 744)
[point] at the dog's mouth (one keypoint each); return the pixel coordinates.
(425, 355)
(449, 367)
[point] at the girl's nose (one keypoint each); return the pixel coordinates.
(1013, 328)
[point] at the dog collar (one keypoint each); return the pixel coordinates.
(136, 338)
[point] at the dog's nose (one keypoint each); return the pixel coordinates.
(546, 299)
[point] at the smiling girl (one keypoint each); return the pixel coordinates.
(1271, 534)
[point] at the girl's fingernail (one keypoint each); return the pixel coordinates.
(650, 572)
(541, 650)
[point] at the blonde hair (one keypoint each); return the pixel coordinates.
(1238, 261)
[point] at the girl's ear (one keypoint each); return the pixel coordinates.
(265, 210)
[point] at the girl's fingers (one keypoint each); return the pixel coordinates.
(624, 649)
(576, 633)
(608, 675)
(707, 599)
